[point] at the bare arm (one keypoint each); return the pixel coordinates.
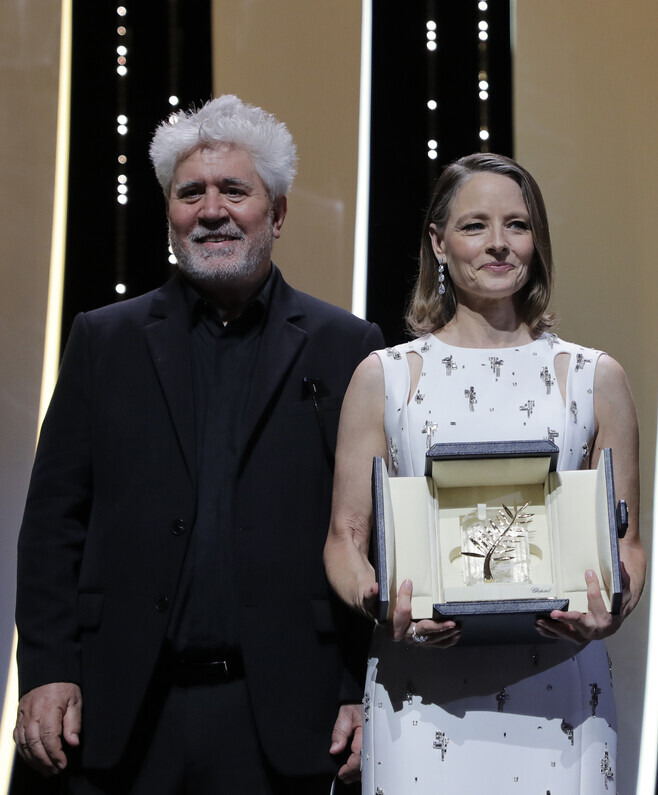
(617, 428)
(360, 437)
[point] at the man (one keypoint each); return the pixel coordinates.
(176, 631)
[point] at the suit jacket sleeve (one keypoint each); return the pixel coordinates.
(52, 535)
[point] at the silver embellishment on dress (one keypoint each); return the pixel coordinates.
(393, 454)
(606, 769)
(552, 340)
(419, 397)
(472, 398)
(529, 406)
(581, 361)
(501, 698)
(379, 791)
(496, 365)
(392, 352)
(429, 429)
(547, 378)
(441, 743)
(366, 708)
(534, 657)
(596, 691)
(425, 348)
(551, 435)
(450, 365)
(585, 451)
(573, 408)
(567, 728)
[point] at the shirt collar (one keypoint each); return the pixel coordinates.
(252, 314)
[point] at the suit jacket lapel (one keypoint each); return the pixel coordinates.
(280, 346)
(169, 343)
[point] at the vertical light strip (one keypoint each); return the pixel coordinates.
(60, 206)
(360, 272)
(52, 336)
(7, 724)
(648, 763)
(431, 45)
(483, 73)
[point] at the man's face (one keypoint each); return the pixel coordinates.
(222, 223)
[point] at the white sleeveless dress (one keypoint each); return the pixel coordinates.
(526, 719)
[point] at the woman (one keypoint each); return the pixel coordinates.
(439, 717)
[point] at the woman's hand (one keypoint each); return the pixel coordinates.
(597, 623)
(420, 633)
(367, 600)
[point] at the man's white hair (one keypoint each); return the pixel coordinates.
(227, 120)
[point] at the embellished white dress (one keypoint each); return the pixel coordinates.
(527, 719)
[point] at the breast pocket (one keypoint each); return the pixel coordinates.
(325, 405)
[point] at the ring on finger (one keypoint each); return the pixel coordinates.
(417, 638)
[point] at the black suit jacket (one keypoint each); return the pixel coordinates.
(111, 508)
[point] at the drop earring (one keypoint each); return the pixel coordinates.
(442, 277)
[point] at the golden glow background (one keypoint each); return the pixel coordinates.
(585, 114)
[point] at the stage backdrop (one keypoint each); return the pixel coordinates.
(301, 61)
(586, 112)
(29, 43)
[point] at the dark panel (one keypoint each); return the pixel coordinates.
(405, 75)
(169, 52)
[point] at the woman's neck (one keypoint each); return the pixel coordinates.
(498, 327)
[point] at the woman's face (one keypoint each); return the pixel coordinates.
(487, 241)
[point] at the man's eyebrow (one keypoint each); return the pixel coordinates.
(190, 183)
(237, 182)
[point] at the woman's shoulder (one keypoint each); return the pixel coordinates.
(397, 353)
(610, 375)
(369, 375)
(554, 342)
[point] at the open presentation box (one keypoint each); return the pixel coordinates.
(450, 533)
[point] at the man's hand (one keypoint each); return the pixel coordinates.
(348, 726)
(45, 715)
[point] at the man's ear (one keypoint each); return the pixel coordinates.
(279, 211)
(438, 246)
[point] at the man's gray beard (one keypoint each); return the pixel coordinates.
(211, 267)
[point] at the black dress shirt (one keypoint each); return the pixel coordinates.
(223, 358)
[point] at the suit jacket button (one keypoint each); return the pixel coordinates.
(178, 527)
(162, 604)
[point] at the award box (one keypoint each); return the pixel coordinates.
(493, 537)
